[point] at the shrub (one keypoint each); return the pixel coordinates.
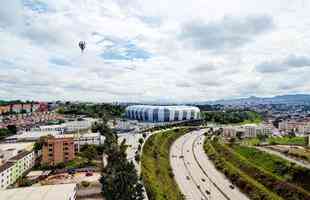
(85, 183)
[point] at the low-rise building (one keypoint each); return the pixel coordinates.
(16, 108)
(5, 109)
(15, 168)
(46, 192)
(246, 131)
(57, 150)
(30, 136)
(27, 107)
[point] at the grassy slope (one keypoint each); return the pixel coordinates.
(278, 166)
(270, 180)
(287, 140)
(246, 183)
(156, 171)
(254, 118)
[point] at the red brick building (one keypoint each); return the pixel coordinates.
(57, 150)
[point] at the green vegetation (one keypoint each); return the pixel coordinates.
(95, 110)
(288, 140)
(232, 117)
(156, 171)
(258, 176)
(5, 132)
(299, 153)
(278, 166)
(246, 183)
(119, 180)
(251, 141)
(85, 184)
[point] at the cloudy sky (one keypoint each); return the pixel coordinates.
(153, 50)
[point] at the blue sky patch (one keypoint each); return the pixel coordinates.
(36, 6)
(59, 61)
(125, 51)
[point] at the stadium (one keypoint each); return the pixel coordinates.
(151, 113)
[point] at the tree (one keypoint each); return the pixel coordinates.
(141, 141)
(89, 152)
(120, 180)
(12, 129)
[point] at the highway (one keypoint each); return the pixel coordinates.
(195, 174)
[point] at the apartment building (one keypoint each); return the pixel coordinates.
(16, 167)
(302, 127)
(16, 108)
(27, 108)
(247, 131)
(57, 150)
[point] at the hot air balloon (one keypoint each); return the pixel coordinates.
(82, 45)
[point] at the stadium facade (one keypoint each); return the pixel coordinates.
(151, 113)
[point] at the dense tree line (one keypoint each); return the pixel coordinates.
(5, 132)
(94, 110)
(119, 178)
(207, 107)
(227, 117)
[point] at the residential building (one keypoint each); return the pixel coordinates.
(27, 107)
(5, 109)
(16, 108)
(46, 192)
(9, 150)
(15, 168)
(229, 132)
(57, 150)
(35, 107)
(250, 130)
(246, 131)
(301, 127)
(30, 136)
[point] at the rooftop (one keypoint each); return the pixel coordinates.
(18, 146)
(5, 166)
(47, 192)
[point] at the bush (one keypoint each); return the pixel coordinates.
(85, 183)
(141, 141)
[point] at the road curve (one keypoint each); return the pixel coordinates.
(194, 172)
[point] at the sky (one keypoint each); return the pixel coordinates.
(153, 50)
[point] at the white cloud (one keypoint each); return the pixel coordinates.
(234, 41)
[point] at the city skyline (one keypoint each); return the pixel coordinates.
(153, 50)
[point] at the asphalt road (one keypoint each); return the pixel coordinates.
(195, 174)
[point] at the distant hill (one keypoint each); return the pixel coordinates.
(282, 99)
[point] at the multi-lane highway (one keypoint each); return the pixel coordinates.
(195, 174)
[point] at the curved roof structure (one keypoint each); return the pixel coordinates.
(162, 113)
